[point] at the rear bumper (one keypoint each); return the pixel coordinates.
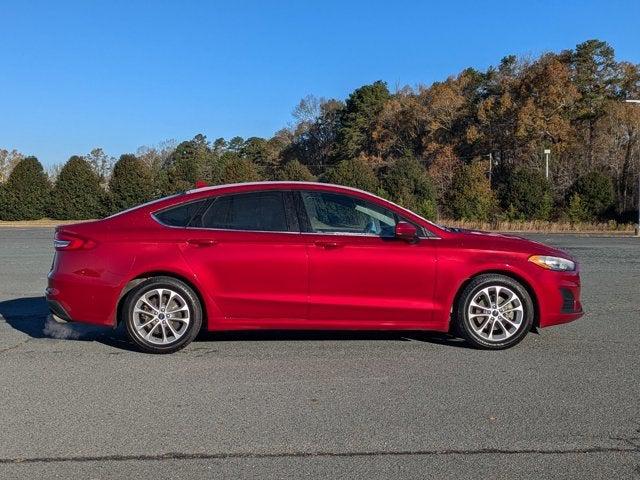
(81, 300)
(58, 310)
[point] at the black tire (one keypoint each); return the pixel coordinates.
(464, 324)
(184, 293)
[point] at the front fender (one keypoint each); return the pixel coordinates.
(454, 273)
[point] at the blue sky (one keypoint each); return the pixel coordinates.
(120, 74)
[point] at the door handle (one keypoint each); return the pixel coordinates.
(201, 242)
(327, 245)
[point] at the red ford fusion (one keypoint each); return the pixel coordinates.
(293, 255)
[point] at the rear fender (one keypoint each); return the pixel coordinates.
(151, 261)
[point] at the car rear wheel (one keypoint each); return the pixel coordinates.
(494, 312)
(162, 315)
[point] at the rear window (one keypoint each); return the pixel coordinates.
(258, 211)
(181, 215)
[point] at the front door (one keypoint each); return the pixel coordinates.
(360, 276)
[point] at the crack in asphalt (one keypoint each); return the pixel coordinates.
(320, 454)
(19, 344)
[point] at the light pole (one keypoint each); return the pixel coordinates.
(546, 160)
(637, 102)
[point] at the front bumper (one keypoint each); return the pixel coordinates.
(559, 299)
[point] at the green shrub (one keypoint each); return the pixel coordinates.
(596, 193)
(239, 171)
(295, 171)
(77, 193)
(26, 192)
(525, 194)
(355, 173)
(427, 208)
(409, 185)
(470, 196)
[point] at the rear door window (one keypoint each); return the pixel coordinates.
(256, 211)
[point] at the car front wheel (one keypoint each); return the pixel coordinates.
(162, 315)
(494, 312)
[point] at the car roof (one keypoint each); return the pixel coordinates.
(282, 184)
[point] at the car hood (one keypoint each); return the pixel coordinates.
(477, 239)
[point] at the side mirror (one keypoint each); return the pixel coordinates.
(406, 231)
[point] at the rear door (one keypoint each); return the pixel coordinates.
(249, 250)
(360, 276)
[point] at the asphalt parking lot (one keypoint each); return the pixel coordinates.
(562, 404)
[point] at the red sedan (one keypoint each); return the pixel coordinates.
(289, 255)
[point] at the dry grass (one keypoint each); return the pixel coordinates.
(43, 222)
(532, 226)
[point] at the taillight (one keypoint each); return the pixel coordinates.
(67, 241)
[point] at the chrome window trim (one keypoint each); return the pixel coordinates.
(229, 229)
(371, 235)
(339, 234)
(429, 236)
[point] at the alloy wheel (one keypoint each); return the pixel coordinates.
(161, 316)
(495, 313)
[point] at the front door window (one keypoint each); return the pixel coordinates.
(331, 213)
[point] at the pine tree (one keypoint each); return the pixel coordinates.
(358, 118)
(187, 164)
(576, 210)
(77, 193)
(26, 192)
(131, 183)
(7, 203)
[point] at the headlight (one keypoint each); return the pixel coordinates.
(553, 263)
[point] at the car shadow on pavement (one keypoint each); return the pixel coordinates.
(334, 335)
(30, 315)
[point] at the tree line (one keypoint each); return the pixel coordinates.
(469, 147)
